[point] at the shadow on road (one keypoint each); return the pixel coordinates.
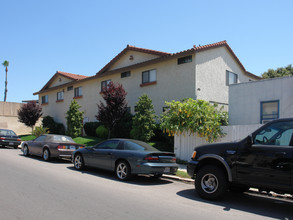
(142, 180)
(252, 203)
(53, 160)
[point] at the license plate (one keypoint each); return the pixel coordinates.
(72, 147)
(167, 170)
(11, 143)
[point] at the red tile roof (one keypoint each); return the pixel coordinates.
(71, 75)
(132, 48)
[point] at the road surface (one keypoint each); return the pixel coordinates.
(33, 189)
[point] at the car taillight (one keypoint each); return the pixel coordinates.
(174, 159)
(151, 158)
(193, 155)
(60, 147)
(1, 138)
(18, 139)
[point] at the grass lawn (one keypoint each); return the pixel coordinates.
(27, 137)
(87, 140)
(182, 174)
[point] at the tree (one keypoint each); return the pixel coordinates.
(74, 119)
(194, 116)
(29, 114)
(114, 107)
(144, 120)
(5, 64)
(279, 72)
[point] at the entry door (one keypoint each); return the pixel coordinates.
(268, 162)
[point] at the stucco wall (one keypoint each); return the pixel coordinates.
(245, 99)
(138, 57)
(9, 118)
(60, 80)
(174, 82)
(211, 66)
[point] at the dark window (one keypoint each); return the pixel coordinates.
(269, 110)
(107, 145)
(138, 146)
(69, 88)
(45, 99)
(231, 78)
(125, 74)
(186, 59)
(60, 95)
(41, 138)
(78, 92)
(279, 134)
(128, 109)
(149, 76)
(104, 84)
(135, 108)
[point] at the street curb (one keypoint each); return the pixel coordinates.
(187, 180)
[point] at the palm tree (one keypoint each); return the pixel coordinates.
(5, 64)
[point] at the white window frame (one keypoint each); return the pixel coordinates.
(60, 95)
(45, 99)
(149, 76)
(78, 91)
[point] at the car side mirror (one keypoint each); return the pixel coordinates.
(249, 140)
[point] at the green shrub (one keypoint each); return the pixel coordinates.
(54, 127)
(102, 132)
(123, 128)
(90, 128)
(40, 130)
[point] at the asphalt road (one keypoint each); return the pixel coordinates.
(33, 189)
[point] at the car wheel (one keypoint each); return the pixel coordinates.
(123, 171)
(46, 154)
(15, 147)
(211, 182)
(25, 150)
(78, 162)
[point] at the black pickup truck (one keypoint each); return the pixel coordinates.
(263, 160)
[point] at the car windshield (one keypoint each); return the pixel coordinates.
(138, 146)
(7, 133)
(62, 139)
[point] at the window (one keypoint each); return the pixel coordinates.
(276, 134)
(41, 138)
(125, 74)
(269, 110)
(107, 145)
(60, 96)
(69, 88)
(45, 99)
(78, 92)
(104, 84)
(186, 59)
(128, 109)
(149, 76)
(232, 78)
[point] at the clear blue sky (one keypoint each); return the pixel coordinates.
(40, 37)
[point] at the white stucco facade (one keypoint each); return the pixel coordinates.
(202, 76)
(245, 99)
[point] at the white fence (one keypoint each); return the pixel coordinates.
(184, 144)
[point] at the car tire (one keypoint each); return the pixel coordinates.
(211, 182)
(46, 154)
(25, 150)
(78, 162)
(123, 171)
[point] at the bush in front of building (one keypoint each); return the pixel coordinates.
(124, 126)
(54, 127)
(102, 132)
(40, 130)
(90, 128)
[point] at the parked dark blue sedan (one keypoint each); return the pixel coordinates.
(126, 157)
(9, 138)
